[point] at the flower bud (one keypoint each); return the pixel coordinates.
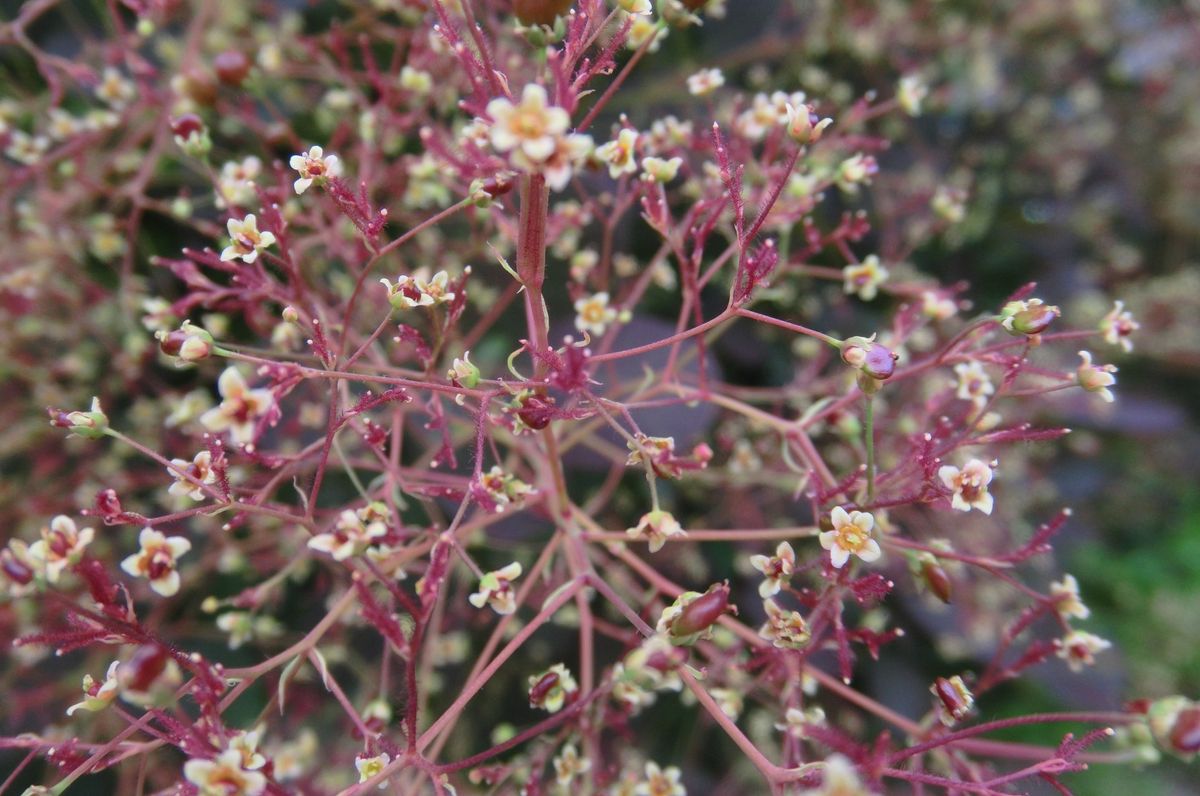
(189, 343)
(191, 135)
(89, 425)
(290, 314)
(1028, 318)
(143, 669)
(464, 372)
(804, 126)
(540, 12)
(931, 575)
(697, 613)
(232, 67)
(1175, 724)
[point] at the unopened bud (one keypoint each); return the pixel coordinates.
(89, 425)
(1028, 318)
(1175, 724)
(697, 613)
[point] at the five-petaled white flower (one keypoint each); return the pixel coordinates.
(531, 128)
(620, 154)
(592, 313)
(314, 166)
(838, 778)
(660, 169)
(61, 545)
(568, 764)
(239, 409)
(973, 384)
(660, 782)
(224, 776)
(370, 766)
(851, 535)
(656, 527)
(1066, 597)
(864, 278)
(235, 184)
(970, 485)
(1096, 378)
(98, 696)
(495, 589)
(245, 239)
(418, 289)
(353, 533)
(1118, 325)
(569, 152)
(156, 560)
(706, 81)
(1079, 648)
(776, 569)
(190, 475)
(115, 89)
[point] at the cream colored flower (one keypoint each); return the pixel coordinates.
(592, 313)
(910, 93)
(784, 629)
(1118, 325)
(188, 475)
(851, 535)
(239, 409)
(353, 533)
(61, 545)
(235, 184)
(568, 764)
(1079, 648)
(370, 766)
(620, 155)
(531, 128)
(641, 31)
(569, 152)
(549, 690)
(806, 127)
(245, 742)
(245, 239)
(156, 560)
(1096, 378)
(776, 569)
(418, 289)
(854, 171)
(495, 589)
(98, 696)
(660, 169)
(660, 782)
(1066, 597)
(314, 166)
(115, 89)
(839, 778)
(937, 306)
(224, 776)
(706, 81)
(864, 278)
(970, 485)
(635, 6)
(974, 385)
(656, 527)
(25, 148)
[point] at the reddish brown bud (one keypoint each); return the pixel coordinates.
(171, 342)
(702, 612)
(232, 66)
(937, 580)
(542, 688)
(540, 12)
(954, 699)
(148, 662)
(199, 87)
(880, 362)
(497, 187)
(14, 569)
(183, 126)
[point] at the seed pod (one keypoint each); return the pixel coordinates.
(540, 12)
(541, 689)
(702, 612)
(232, 67)
(187, 124)
(937, 580)
(955, 700)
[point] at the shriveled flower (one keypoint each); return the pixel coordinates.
(240, 407)
(354, 531)
(1067, 601)
(496, 590)
(17, 569)
(419, 289)
(532, 127)
(1096, 378)
(620, 154)
(370, 766)
(656, 527)
(189, 475)
(784, 629)
(949, 204)
(851, 535)
(1118, 325)
(659, 452)
(839, 777)
(499, 490)
(854, 171)
(61, 545)
(98, 696)
(92, 424)
(156, 560)
(660, 169)
(463, 371)
(1079, 648)
(776, 569)
(224, 776)
(969, 485)
(706, 81)
(910, 93)
(973, 383)
(864, 278)
(245, 239)
(314, 166)
(568, 764)
(592, 313)
(552, 689)
(660, 782)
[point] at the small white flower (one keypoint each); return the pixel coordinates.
(245, 239)
(620, 155)
(61, 545)
(706, 81)
(1079, 648)
(235, 184)
(25, 148)
(656, 527)
(974, 385)
(224, 776)
(418, 290)
(568, 764)
(593, 315)
(246, 744)
(970, 485)
(855, 171)
(660, 169)
(839, 778)
(240, 408)
(1066, 597)
(937, 306)
(851, 535)
(776, 569)
(1096, 378)
(1118, 325)
(635, 6)
(370, 766)
(314, 166)
(784, 629)
(864, 278)
(642, 29)
(97, 696)
(114, 89)
(531, 128)
(156, 560)
(187, 474)
(806, 127)
(353, 533)
(495, 589)
(910, 93)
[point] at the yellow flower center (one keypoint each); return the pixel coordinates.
(851, 538)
